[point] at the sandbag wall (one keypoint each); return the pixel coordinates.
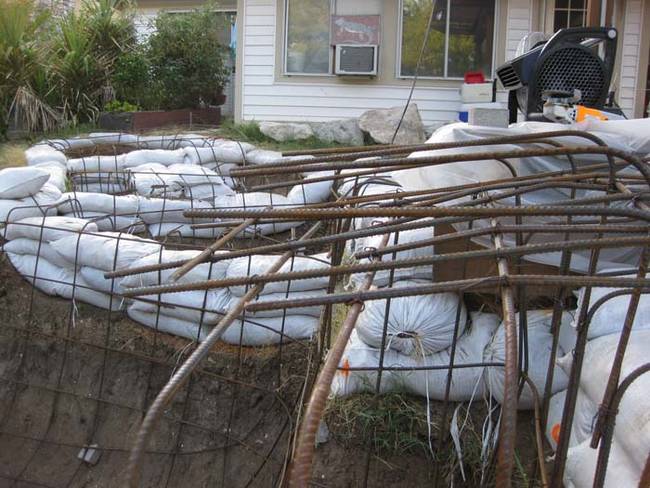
(64, 243)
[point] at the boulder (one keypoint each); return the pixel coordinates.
(286, 131)
(344, 131)
(381, 125)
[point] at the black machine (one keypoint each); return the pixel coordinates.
(580, 58)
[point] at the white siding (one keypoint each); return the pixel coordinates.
(520, 23)
(630, 54)
(265, 99)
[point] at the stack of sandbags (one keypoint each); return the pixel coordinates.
(540, 340)
(32, 252)
(466, 382)
(109, 212)
(25, 192)
(631, 441)
(164, 217)
(187, 314)
(95, 253)
(280, 325)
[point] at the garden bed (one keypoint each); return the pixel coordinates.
(154, 119)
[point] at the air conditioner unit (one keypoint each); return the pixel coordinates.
(354, 59)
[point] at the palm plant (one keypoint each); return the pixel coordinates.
(25, 93)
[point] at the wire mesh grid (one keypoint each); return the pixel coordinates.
(236, 416)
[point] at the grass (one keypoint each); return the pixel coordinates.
(250, 132)
(395, 424)
(12, 154)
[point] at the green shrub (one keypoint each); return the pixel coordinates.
(131, 79)
(187, 61)
(118, 106)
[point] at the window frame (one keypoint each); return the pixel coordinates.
(569, 10)
(285, 45)
(398, 55)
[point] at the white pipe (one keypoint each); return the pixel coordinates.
(603, 13)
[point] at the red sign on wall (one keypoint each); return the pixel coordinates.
(355, 29)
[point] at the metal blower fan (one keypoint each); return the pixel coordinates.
(572, 60)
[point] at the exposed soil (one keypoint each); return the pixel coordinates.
(70, 377)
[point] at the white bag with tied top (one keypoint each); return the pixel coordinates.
(415, 325)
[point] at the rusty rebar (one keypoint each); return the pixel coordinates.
(608, 428)
(208, 251)
(184, 372)
(490, 141)
(417, 212)
(306, 441)
(502, 252)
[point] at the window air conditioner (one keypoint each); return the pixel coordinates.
(353, 59)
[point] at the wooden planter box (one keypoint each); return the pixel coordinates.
(137, 121)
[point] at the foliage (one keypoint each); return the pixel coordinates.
(24, 91)
(131, 79)
(56, 69)
(118, 106)
(188, 63)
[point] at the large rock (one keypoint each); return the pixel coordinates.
(286, 131)
(381, 125)
(344, 131)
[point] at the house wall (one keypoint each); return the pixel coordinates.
(266, 93)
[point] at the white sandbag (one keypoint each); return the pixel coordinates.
(43, 153)
(72, 143)
(161, 210)
(102, 187)
(21, 182)
(273, 330)
(58, 174)
(158, 156)
(104, 222)
(58, 281)
(312, 311)
(187, 175)
(120, 138)
(105, 164)
(539, 353)
(416, 325)
(255, 201)
(208, 192)
(96, 280)
(259, 264)
(260, 332)
(48, 228)
(180, 229)
(632, 429)
(581, 464)
(226, 151)
(584, 418)
(306, 194)
(263, 156)
(382, 278)
(202, 272)
(99, 202)
(609, 318)
(34, 206)
(154, 180)
(104, 250)
(466, 383)
(35, 248)
(205, 307)
(169, 325)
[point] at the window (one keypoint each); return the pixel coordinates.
(461, 37)
(308, 37)
(569, 13)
